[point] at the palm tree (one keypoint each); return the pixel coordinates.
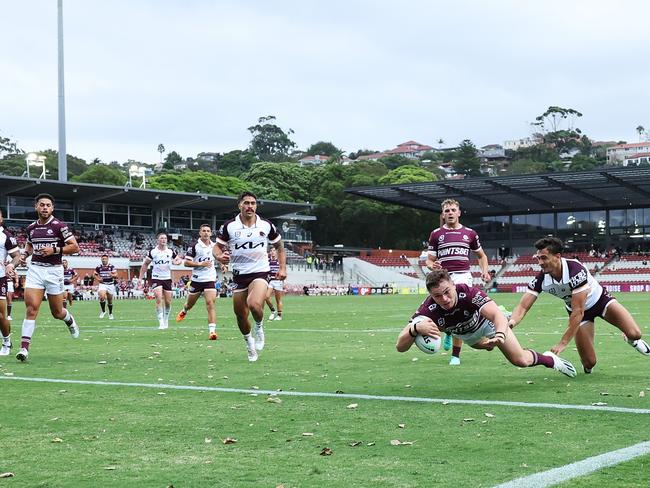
(641, 130)
(161, 150)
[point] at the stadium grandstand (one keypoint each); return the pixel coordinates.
(603, 216)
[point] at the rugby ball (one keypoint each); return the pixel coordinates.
(427, 343)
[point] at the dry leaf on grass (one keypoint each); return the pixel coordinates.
(599, 404)
(229, 440)
(489, 415)
(468, 420)
(110, 468)
(57, 440)
(101, 362)
(208, 440)
(326, 452)
(370, 444)
(355, 444)
(642, 394)
(307, 434)
(397, 442)
(401, 426)
(274, 399)
(6, 475)
(352, 405)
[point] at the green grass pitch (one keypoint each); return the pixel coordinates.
(140, 431)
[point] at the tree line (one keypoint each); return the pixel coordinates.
(269, 167)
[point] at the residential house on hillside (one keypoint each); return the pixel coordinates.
(637, 159)
(616, 155)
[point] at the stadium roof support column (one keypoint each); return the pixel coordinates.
(63, 162)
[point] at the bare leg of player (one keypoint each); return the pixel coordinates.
(5, 329)
(239, 299)
(585, 344)
(192, 298)
(167, 296)
(257, 292)
(158, 294)
(617, 315)
(210, 299)
(526, 358)
(278, 302)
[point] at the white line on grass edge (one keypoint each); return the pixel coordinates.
(579, 468)
(356, 396)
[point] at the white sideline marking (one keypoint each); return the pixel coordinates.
(357, 396)
(579, 468)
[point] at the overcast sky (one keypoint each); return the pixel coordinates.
(194, 74)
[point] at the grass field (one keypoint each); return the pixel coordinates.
(142, 407)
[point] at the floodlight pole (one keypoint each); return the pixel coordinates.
(63, 162)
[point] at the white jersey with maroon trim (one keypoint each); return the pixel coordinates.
(576, 278)
(248, 245)
(8, 245)
(162, 263)
(200, 253)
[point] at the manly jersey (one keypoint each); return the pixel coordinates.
(68, 274)
(8, 245)
(248, 245)
(106, 273)
(200, 253)
(274, 266)
(162, 263)
(52, 233)
(576, 278)
(464, 318)
(451, 247)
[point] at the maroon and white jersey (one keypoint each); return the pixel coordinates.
(68, 274)
(106, 273)
(274, 266)
(52, 233)
(248, 245)
(576, 278)
(451, 247)
(464, 318)
(162, 263)
(8, 245)
(201, 253)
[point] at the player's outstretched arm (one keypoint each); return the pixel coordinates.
(578, 301)
(282, 260)
(521, 309)
(423, 326)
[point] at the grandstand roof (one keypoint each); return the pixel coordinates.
(606, 188)
(221, 206)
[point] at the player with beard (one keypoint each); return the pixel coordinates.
(242, 242)
(48, 239)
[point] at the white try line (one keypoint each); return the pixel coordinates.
(354, 396)
(580, 468)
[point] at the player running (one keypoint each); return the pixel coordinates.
(469, 314)
(48, 239)
(161, 277)
(70, 278)
(8, 249)
(276, 287)
(106, 274)
(200, 258)
(584, 300)
(242, 241)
